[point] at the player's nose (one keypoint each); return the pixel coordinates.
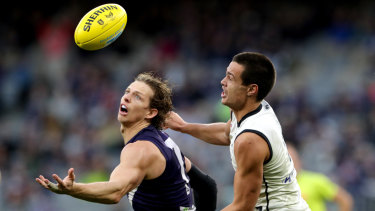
(125, 98)
(222, 82)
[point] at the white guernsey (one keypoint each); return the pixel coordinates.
(280, 190)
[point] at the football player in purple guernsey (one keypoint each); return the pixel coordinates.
(152, 171)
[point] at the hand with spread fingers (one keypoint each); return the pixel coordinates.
(62, 187)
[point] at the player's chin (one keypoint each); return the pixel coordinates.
(120, 118)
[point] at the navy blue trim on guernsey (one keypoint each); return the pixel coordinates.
(265, 139)
(249, 114)
(267, 200)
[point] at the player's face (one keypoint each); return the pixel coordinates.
(234, 93)
(135, 103)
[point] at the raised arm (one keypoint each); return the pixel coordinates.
(214, 133)
(135, 163)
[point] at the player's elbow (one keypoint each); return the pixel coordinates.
(114, 198)
(110, 199)
(225, 142)
(221, 140)
(117, 198)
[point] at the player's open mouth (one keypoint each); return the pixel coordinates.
(223, 94)
(123, 109)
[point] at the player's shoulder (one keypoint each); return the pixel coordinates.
(140, 146)
(142, 149)
(144, 155)
(249, 142)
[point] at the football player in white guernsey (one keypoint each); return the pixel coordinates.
(265, 178)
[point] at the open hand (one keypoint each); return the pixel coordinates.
(62, 187)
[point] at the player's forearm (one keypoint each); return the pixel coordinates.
(345, 207)
(234, 207)
(246, 193)
(100, 192)
(344, 200)
(242, 203)
(211, 133)
(230, 208)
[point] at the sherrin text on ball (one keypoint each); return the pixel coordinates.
(100, 27)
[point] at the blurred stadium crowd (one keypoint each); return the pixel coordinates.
(58, 103)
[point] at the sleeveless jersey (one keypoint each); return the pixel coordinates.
(280, 190)
(171, 190)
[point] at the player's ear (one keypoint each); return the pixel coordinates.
(152, 113)
(252, 89)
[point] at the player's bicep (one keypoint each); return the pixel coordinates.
(250, 152)
(131, 171)
(127, 177)
(249, 156)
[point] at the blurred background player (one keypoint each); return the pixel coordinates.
(317, 189)
(152, 168)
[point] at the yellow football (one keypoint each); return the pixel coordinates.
(100, 27)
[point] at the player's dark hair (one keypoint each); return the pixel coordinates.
(258, 70)
(162, 98)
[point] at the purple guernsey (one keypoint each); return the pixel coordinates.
(171, 190)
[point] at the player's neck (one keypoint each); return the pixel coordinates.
(129, 131)
(249, 107)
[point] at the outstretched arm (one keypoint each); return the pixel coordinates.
(133, 166)
(214, 133)
(109, 192)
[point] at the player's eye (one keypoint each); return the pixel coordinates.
(138, 97)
